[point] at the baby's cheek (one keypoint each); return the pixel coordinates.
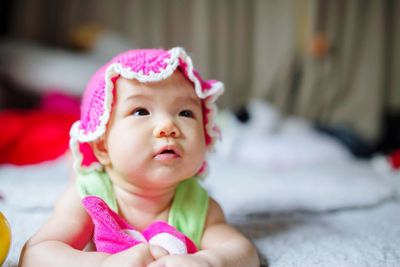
(196, 159)
(124, 148)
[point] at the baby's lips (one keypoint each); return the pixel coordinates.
(171, 149)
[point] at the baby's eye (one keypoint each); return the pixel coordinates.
(140, 112)
(186, 113)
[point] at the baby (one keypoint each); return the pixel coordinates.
(147, 122)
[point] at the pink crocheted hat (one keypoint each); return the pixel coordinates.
(144, 65)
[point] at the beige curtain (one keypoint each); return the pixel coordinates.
(347, 86)
(393, 57)
(246, 43)
(259, 48)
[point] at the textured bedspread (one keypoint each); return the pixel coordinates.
(343, 215)
(358, 237)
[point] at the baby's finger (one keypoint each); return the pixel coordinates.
(156, 264)
(139, 255)
(158, 252)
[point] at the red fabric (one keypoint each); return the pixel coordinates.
(395, 159)
(33, 136)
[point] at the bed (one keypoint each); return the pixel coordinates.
(302, 210)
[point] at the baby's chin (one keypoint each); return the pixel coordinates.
(169, 178)
(178, 177)
(155, 175)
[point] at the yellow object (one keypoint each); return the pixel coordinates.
(5, 238)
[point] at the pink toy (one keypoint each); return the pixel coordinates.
(112, 234)
(147, 65)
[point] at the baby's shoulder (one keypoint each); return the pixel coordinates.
(69, 204)
(215, 213)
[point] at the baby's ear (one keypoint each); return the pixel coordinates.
(100, 151)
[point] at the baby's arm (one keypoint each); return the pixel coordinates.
(62, 238)
(222, 245)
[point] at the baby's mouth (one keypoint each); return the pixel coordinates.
(167, 153)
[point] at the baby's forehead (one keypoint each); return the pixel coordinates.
(175, 85)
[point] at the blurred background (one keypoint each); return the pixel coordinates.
(332, 63)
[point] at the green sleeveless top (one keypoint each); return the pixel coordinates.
(188, 211)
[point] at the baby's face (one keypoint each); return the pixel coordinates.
(155, 135)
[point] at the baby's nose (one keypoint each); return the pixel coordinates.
(167, 129)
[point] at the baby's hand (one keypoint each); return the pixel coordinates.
(191, 260)
(138, 256)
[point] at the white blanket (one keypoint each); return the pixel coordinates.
(245, 188)
(29, 194)
(337, 215)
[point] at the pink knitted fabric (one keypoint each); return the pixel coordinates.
(145, 65)
(112, 234)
